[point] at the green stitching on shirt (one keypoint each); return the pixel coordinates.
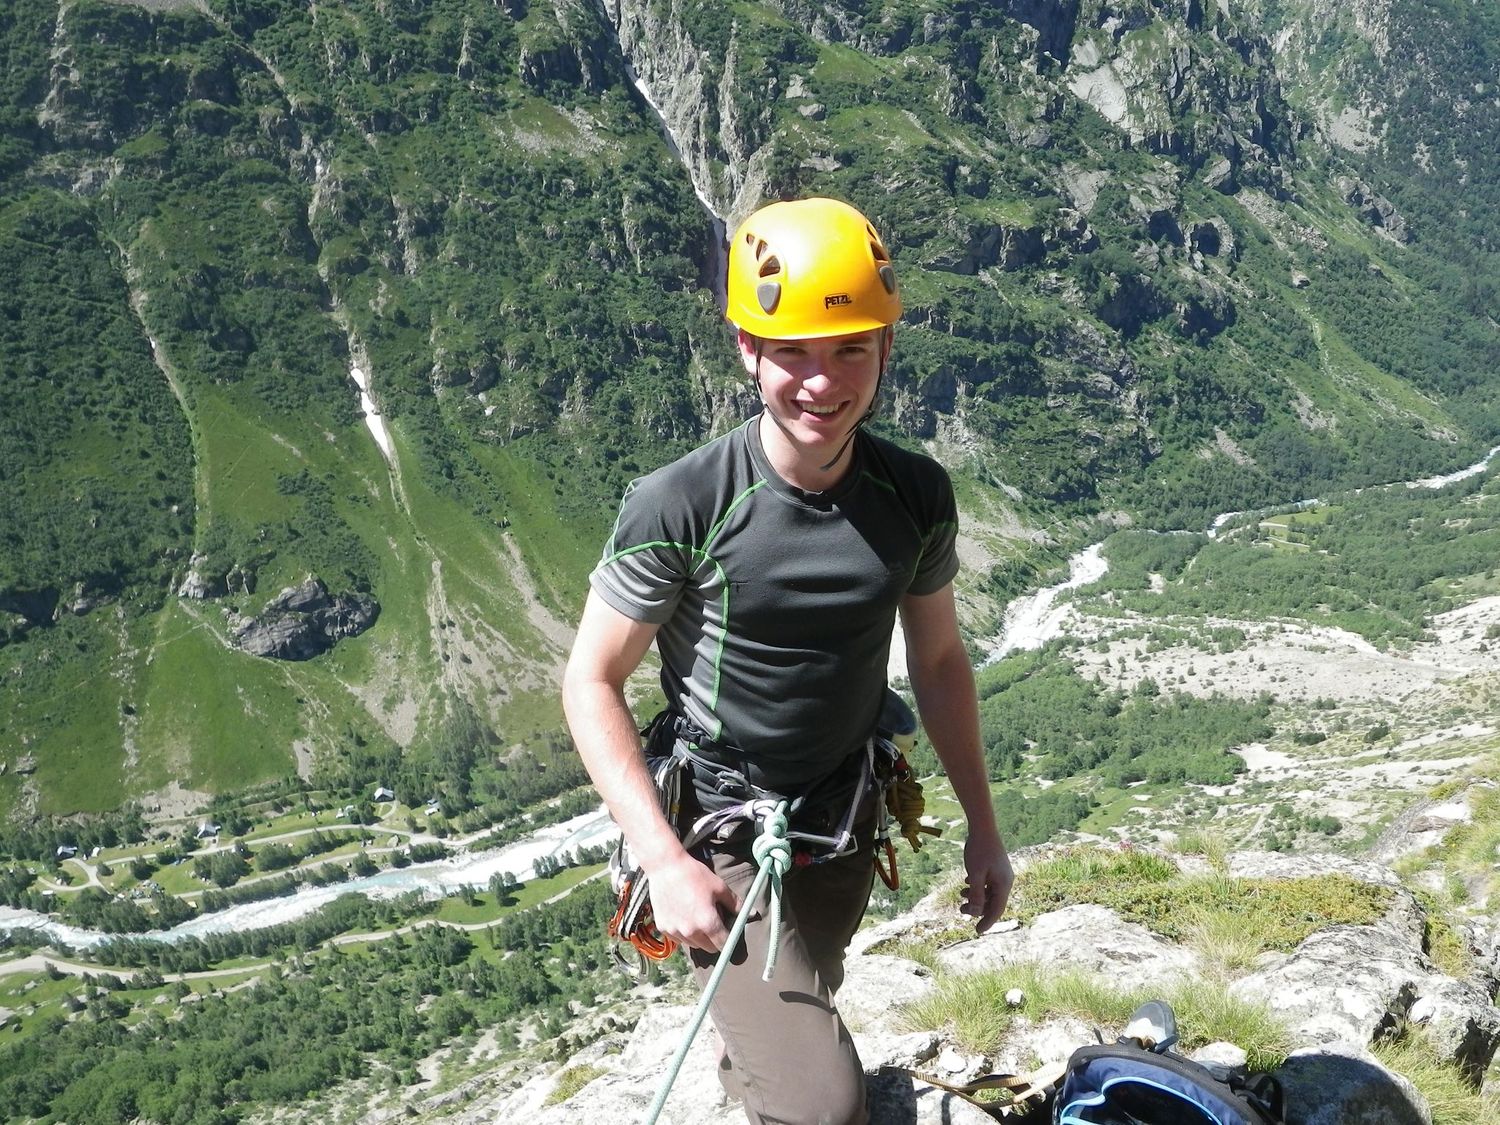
(701, 553)
(713, 532)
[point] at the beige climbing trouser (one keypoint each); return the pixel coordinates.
(787, 1055)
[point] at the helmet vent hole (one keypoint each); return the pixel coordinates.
(760, 247)
(877, 251)
(888, 278)
(770, 267)
(768, 293)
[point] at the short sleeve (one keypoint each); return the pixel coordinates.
(644, 567)
(938, 563)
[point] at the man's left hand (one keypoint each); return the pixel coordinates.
(989, 880)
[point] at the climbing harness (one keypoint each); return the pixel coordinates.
(881, 768)
(773, 857)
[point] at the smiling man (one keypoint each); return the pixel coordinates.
(768, 567)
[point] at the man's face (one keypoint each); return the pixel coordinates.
(817, 390)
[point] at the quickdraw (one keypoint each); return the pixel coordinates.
(635, 923)
(905, 804)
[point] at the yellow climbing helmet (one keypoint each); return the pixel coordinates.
(809, 268)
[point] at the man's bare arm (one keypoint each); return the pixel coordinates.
(686, 896)
(943, 683)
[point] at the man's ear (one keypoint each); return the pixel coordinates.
(886, 339)
(747, 345)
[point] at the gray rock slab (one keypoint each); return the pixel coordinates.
(1085, 937)
(875, 988)
(1462, 1024)
(1344, 983)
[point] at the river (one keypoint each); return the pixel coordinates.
(436, 880)
(1033, 620)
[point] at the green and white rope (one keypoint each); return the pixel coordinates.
(773, 855)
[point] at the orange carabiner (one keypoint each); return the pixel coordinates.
(648, 941)
(889, 875)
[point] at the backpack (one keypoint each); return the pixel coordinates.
(1125, 1083)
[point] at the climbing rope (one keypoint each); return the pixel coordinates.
(905, 803)
(773, 855)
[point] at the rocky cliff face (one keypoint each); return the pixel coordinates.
(871, 102)
(714, 109)
(303, 621)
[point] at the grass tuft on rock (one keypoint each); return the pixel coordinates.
(571, 1080)
(1452, 1098)
(973, 1005)
(1275, 914)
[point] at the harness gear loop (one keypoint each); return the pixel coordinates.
(773, 859)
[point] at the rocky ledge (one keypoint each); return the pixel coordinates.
(1340, 990)
(303, 621)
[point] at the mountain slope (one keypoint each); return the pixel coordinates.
(1148, 275)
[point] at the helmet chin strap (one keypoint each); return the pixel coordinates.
(885, 354)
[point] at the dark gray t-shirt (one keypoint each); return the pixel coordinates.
(776, 605)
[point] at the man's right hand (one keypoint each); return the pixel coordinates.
(690, 904)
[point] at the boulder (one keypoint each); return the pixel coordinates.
(304, 621)
(1375, 209)
(1087, 937)
(85, 599)
(1422, 826)
(1342, 1084)
(1462, 1025)
(199, 582)
(1346, 983)
(1219, 174)
(310, 596)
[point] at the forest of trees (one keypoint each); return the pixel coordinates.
(309, 1023)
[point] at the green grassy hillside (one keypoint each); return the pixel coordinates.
(1143, 274)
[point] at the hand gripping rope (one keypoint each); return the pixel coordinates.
(898, 796)
(773, 855)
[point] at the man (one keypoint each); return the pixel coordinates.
(768, 567)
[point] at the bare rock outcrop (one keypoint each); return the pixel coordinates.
(1343, 1084)
(1375, 209)
(1337, 991)
(1087, 937)
(303, 621)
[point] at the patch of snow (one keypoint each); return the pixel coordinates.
(373, 419)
